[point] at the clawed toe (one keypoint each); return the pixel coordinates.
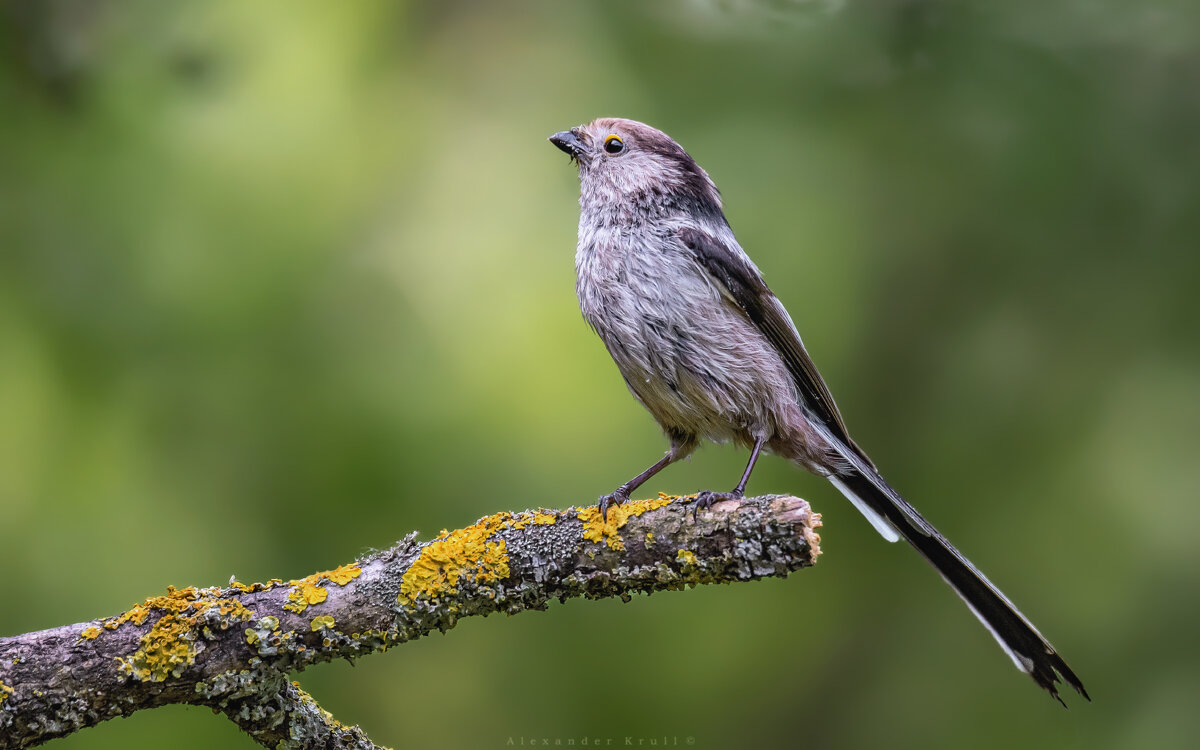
(705, 499)
(615, 498)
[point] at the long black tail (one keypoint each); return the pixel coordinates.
(1018, 637)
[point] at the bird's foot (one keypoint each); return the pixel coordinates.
(615, 498)
(706, 498)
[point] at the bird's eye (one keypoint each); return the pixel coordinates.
(613, 144)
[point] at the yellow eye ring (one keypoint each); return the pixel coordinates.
(613, 144)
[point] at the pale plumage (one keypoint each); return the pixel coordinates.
(712, 354)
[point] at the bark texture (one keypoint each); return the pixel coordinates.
(232, 648)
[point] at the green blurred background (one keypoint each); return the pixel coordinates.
(280, 282)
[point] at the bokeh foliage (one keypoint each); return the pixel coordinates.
(280, 282)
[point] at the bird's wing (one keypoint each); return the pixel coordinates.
(743, 284)
(892, 516)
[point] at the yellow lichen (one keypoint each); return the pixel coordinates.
(175, 600)
(322, 622)
(5, 693)
(686, 556)
(305, 594)
(164, 651)
(453, 556)
(262, 630)
(90, 632)
(249, 588)
(540, 517)
(168, 647)
(343, 574)
(308, 590)
(597, 528)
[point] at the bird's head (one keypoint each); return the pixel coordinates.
(628, 163)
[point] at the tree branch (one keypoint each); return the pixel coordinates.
(232, 648)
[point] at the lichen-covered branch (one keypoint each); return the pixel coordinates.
(232, 648)
(283, 715)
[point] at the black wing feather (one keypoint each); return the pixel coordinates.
(747, 288)
(734, 272)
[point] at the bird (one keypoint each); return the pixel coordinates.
(711, 352)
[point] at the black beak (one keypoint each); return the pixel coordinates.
(569, 142)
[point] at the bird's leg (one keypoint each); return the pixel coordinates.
(622, 492)
(706, 498)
